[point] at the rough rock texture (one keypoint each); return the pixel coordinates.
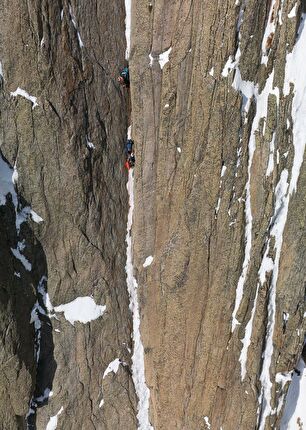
(67, 55)
(189, 123)
(215, 150)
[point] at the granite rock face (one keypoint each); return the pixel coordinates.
(219, 185)
(63, 121)
(216, 154)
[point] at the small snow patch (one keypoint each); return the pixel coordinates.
(23, 93)
(148, 261)
(151, 58)
(52, 424)
(17, 253)
(82, 309)
(292, 13)
(206, 419)
(164, 58)
(211, 72)
(112, 367)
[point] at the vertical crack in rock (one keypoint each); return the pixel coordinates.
(138, 370)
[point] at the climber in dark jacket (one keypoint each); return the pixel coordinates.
(124, 78)
(129, 146)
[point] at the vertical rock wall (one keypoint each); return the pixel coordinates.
(64, 128)
(222, 303)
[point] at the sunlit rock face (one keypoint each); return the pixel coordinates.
(217, 112)
(176, 303)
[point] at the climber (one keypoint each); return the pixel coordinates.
(130, 161)
(124, 78)
(129, 146)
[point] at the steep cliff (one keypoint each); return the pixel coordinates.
(63, 125)
(177, 303)
(218, 108)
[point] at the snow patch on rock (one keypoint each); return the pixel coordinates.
(81, 309)
(294, 416)
(164, 58)
(26, 95)
(142, 391)
(112, 367)
(148, 261)
(52, 424)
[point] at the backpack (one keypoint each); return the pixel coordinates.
(125, 75)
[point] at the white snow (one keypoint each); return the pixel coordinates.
(282, 379)
(35, 217)
(266, 266)
(73, 20)
(179, 149)
(261, 112)
(218, 206)
(292, 13)
(283, 191)
(128, 13)
(17, 253)
(278, 224)
(151, 58)
(101, 403)
(26, 95)
(89, 144)
(15, 174)
(223, 170)
(138, 373)
(6, 183)
(164, 58)
(295, 62)
(112, 367)
(206, 419)
(246, 341)
(148, 261)
(271, 157)
(1, 70)
(82, 309)
(294, 416)
(52, 424)
(166, 105)
(211, 72)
